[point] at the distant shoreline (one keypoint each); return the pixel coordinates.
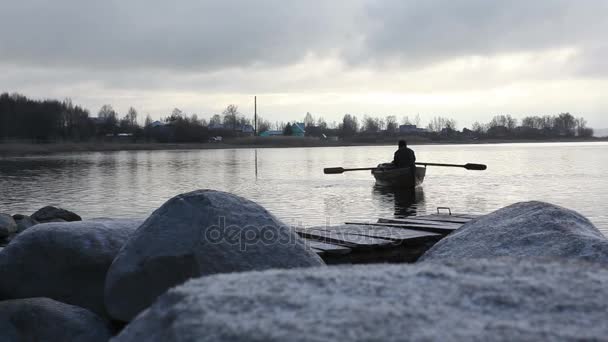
(24, 149)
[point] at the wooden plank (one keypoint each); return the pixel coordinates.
(327, 248)
(425, 222)
(399, 235)
(467, 216)
(444, 218)
(343, 239)
(441, 229)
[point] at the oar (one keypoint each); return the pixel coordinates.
(338, 170)
(469, 166)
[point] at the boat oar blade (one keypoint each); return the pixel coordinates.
(477, 167)
(333, 170)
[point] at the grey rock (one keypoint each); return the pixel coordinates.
(49, 213)
(529, 229)
(43, 319)
(24, 222)
(194, 234)
(7, 226)
(67, 261)
(481, 300)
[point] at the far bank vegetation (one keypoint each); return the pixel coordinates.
(44, 121)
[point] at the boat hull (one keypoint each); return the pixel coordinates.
(389, 176)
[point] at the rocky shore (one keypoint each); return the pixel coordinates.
(212, 266)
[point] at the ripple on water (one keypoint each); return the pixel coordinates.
(291, 183)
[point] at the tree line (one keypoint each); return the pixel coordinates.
(51, 120)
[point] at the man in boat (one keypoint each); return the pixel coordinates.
(405, 157)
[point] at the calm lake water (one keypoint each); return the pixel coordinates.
(291, 184)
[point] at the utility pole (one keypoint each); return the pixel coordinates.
(255, 115)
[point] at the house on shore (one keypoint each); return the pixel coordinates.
(271, 134)
(298, 129)
(411, 129)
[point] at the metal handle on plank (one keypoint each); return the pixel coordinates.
(444, 208)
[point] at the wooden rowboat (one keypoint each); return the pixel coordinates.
(389, 176)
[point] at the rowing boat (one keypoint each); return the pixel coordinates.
(388, 175)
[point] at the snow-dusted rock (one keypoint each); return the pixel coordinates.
(48, 213)
(195, 234)
(530, 229)
(24, 222)
(7, 225)
(43, 319)
(480, 300)
(63, 261)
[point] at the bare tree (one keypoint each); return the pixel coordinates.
(321, 123)
(439, 123)
(110, 119)
(417, 120)
(370, 124)
(231, 114)
(479, 128)
(349, 125)
(263, 125)
(406, 120)
(176, 114)
(309, 120)
(106, 111)
(132, 117)
(215, 120)
(391, 124)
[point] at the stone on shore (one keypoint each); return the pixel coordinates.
(8, 226)
(66, 261)
(528, 229)
(476, 300)
(49, 213)
(43, 319)
(195, 234)
(24, 222)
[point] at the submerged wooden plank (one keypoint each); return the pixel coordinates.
(327, 248)
(343, 238)
(467, 216)
(384, 232)
(424, 222)
(441, 229)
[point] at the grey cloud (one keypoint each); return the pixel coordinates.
(425, 31)
(211, 35)
(162, 34)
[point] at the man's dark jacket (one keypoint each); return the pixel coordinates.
(404, 157)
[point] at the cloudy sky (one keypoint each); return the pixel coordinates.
(467, 59)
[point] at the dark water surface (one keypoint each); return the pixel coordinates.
(291, 184)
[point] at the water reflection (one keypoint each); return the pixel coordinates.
(291, 184)
(406, 202)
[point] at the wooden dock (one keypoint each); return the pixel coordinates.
(387, 240)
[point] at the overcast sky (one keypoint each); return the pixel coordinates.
(468, 59)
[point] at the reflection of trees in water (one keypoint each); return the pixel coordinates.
(40, 166)
(406, 202)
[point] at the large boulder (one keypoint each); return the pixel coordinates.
(481, 300)
(529, 229)
(66, 261)
(50, 213)
(43, 319)
(24, 222)
(195, 234)
(8, 226)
